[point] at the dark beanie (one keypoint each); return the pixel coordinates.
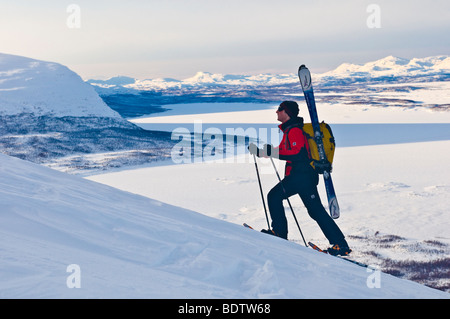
(291, 108)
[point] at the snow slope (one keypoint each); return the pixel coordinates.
(129, 246)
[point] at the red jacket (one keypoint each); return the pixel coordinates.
(294, 147)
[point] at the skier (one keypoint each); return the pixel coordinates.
(300, 178)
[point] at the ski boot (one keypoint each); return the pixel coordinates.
(271, 232)
(337, 250)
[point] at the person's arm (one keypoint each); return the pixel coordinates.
(296, 142)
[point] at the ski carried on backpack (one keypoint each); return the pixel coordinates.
(305, 80)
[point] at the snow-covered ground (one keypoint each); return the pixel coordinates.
(62, 236)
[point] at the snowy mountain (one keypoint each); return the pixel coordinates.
(62, 236)
(388, 67)
(435, 67)
(200, 79)
(48, 111)
(348, 83)
(46, 89)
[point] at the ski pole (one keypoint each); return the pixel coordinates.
(287, 198)
(260, 189)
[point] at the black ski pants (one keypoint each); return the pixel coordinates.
(305, 185)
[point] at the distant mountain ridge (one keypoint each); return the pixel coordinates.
(393, 66)
(133, 98)
(437, 66)
(199, 80)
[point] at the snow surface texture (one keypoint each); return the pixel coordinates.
(59, 231)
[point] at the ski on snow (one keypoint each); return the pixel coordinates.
(315, 247)
(305, 80)
(247, 225)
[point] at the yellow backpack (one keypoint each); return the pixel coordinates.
(329, 145)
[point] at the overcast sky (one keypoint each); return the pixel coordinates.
(177, 38)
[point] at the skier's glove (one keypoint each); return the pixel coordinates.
(253, 149)
(267, 149)
(270, 151)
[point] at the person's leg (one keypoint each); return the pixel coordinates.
(275, 202)
(307, 189)
(330, 229)
(283, 190)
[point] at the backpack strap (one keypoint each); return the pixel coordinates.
(288, 144)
